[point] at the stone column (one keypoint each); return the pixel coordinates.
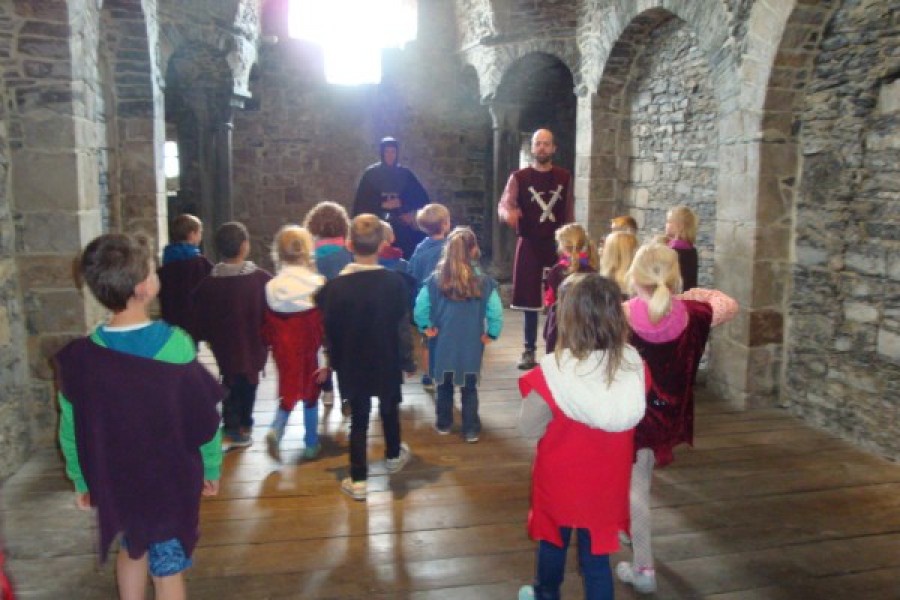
(505, 123)
(223, 204)
(595, 167)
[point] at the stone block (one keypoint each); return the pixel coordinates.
(860, 312)
(766, 327)
(56, 311)
(5, 330)
(45, 180)
(888, 345)
(51, 232)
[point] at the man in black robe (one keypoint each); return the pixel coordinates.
(392, 193)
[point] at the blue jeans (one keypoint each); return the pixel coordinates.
(551, 567)
(237, 407)
(471, 424)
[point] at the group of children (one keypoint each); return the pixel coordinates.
(611, 398)
(340, 302)
(613, 395)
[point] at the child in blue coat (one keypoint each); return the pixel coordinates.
(459, 308)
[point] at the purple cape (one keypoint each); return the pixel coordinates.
(139, 425)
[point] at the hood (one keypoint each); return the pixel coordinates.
(292, 289)
(385, 142)
(581, 392)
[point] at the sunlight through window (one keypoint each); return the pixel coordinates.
(352, 33)
(170, 160)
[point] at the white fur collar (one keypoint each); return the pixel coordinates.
(581, 392)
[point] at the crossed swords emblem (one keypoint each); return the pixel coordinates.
(547, 207)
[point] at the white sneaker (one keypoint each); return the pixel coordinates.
(355, 489)
(327, 398)
(526, 592)
(643, 579)
(395, 465)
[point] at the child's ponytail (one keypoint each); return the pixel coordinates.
(655, 271)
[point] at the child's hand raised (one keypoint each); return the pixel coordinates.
(431, 332)
(210, 487)
(486, 339)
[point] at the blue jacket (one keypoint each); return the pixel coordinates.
(425, 258)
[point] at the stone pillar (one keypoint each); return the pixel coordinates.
(505, 123)
(595, 167)
(223, 204)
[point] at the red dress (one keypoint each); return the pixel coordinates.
(295, 339)
(581, 477)
(669, 419)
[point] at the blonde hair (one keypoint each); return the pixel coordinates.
(456, 277)
(366, 234)
(389, 236)
(573, 240)
(615, 260)
(433, 218)
(293, 245)
(655, 270)
(685, 221)
(624, 223)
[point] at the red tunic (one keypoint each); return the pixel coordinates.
(669, 419)
(295, 339)
(581, 477)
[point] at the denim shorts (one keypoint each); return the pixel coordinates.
(164, 558)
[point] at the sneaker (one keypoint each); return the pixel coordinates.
(643, 579)
(527, 361)
(273, 444)
(395, 465)
(230, 441)
(441, 431)
(312, 451)
(526, 592)
(346, 409)
(471, 438)
(354, 489)
(327, 398)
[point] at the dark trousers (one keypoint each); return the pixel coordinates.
(530, 329)
(389, 410)
(237, 408)
(551, 566)
(471, 424)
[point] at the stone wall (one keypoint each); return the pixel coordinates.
(843, 345)
(310, 141)
(669, 137)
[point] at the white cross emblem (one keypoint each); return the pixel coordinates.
(547, 207)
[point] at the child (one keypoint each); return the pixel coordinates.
(434, 220)
(139, 437)
(452, 308)
(618, 252)
(681, 229)
(363, 311)
(391, 257)
(229, 306)
(577, 254)
(183, 268)
(670, 333)
(583, 402)
(293, 328)
(624, 223)
(329, 225)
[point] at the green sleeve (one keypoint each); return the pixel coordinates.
(211, 452)
(494, 315)
(422, 310)
(68, 445)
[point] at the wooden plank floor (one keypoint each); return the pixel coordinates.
(763, 508)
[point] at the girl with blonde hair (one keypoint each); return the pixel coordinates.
(681, 229)
(293, 328)
(615, 260)
(460, 309)
(670, 333)
(577, 254)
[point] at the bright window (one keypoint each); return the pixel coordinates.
(353, 33)
(170, 159)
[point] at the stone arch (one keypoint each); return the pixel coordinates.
(492, 62)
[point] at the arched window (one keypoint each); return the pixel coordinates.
(353, 33)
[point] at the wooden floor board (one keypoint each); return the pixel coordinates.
(763, 507)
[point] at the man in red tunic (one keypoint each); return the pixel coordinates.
(537, 201)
